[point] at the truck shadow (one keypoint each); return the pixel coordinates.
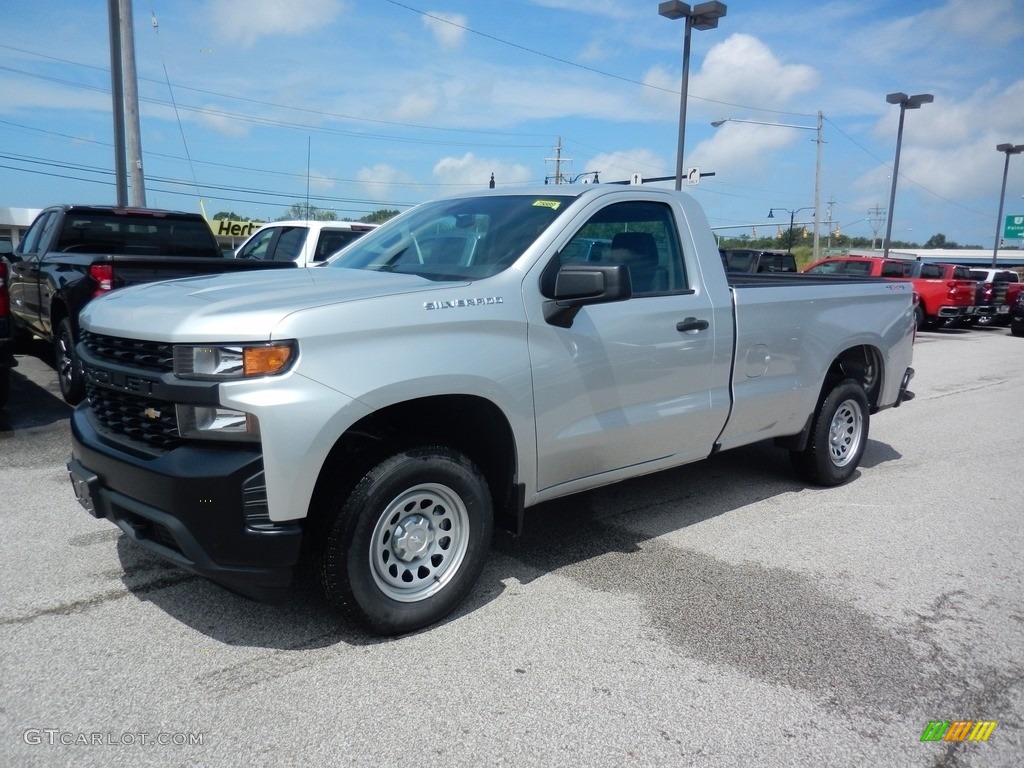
(31, 405)
(557, 535)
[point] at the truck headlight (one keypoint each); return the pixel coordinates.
(214, 422)
(232, 361)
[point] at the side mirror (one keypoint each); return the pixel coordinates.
(576, 285)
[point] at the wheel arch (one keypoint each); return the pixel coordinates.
(865, 364)
(470, 424)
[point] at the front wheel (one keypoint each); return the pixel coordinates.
(408, 542)
(69, 367)
(838, 438)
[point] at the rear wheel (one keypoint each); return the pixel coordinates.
(5, 384)
(69, 367)
(838, 437)
(406, 545)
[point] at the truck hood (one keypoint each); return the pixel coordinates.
(236, 307)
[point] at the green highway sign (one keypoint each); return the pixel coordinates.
(1013, 227)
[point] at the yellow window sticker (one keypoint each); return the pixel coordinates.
(554, 205)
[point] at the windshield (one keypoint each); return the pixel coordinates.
(462, 239)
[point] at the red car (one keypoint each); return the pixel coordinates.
(944, 291)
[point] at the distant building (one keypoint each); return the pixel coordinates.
(14, 223)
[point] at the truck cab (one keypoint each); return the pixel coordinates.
(305, 243)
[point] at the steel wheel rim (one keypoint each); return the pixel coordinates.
(419, 542)
(845, 433)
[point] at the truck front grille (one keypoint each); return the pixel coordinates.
(149, 421)
(149, 355)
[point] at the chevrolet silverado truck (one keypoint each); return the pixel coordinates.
(73, 253)
(383, 414)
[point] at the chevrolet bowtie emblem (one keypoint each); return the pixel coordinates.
(151, 413)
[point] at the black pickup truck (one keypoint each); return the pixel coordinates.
(73, 253)
(754, 260)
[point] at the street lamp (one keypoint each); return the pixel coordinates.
(771, 215)
(702, 16)
(1009, 149)
(817, 165)
(905, 102)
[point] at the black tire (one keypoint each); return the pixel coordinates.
(838, 437)
(1016, 330)
(405, 546)
(919, 317)
(69, 367)
(5, 385)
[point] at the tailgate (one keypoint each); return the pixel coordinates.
(129, 270)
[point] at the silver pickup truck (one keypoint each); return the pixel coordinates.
(384, 413)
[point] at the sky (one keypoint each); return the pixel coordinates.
(249, 106)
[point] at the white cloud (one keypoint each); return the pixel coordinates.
(472, 171)
(417, 104)
(618, 166)
(994, 21)
(949, 146)
(319, 182)
(443, 27)
(745, 150)
(246, 21)
(382, 181)
(743, 70)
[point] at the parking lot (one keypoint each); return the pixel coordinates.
(720, 614)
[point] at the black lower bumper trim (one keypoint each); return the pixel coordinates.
(186, 506)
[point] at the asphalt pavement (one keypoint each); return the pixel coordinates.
(719, 614)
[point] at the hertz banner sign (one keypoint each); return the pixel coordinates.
(233, 228)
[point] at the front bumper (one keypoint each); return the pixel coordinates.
(200, 507)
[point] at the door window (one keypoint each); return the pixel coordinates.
(641, 235)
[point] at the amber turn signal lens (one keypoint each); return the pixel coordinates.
(260, 361)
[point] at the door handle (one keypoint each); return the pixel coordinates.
(692, 324)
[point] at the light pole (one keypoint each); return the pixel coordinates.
(817, 165)
(702, 16)
(1009, 149)
(905, 102)
(771, 215)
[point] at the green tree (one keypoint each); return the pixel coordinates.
(230, 216)
(380, 216)
(307, 212)
(939, 240)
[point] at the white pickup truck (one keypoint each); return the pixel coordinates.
(383, 413)
(304, 243)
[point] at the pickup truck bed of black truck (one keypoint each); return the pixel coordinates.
(74, 253)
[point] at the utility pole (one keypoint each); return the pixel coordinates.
(557, 160)
(876, 216)
(131, 105)
(117, 101)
